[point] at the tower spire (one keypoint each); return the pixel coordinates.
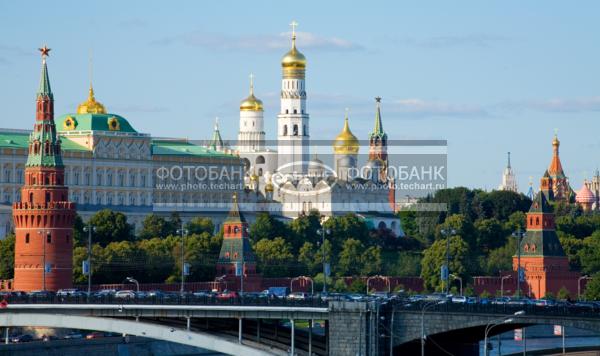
(508, 166)
(294, 24)
(44, 88)
(378, 125)
(251, 84)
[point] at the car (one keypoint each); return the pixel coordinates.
(21, 338)
(521, 301)
(356, 297)
(46, 338)
(484, 301)
(203, 294)
(73, 335)
(41, 294)
(125, 294)
(459, 299)
(472, 300)
(65, 292)
(501, 300)
(227, 295)
(94, 335)
(544, 302)
(297, 296)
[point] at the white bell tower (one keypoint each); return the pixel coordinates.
(293, 136)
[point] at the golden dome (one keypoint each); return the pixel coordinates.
(294, 62)
(555, 141)
(254, 177)
(346, 142)
(269, 186)
(251, 103)
(91, 106)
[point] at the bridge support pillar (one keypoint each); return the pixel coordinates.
(239, 330)
(310, 327)
(350, 331)
(188, 323)
(258, 330)
(293, 337)
(6, 335)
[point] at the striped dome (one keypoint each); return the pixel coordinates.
(585, 195)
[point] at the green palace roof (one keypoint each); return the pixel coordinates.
(93, 122)
(185, 148)
(20, 139)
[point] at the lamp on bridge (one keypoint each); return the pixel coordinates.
(504, 320)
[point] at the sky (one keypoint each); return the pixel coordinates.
(488, 77)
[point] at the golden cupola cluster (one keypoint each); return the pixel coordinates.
(346, 142)
(293, 63)
(91, 106)
(251, 103)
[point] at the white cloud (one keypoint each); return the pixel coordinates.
(566, 105)
(436, 42)
(260, 43)
(420, 107)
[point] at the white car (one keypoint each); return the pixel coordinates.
(459, 299)
(124, 294)
(298, 296)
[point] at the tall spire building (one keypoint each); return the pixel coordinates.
(293, 130)
(509, 181)
(554, 183)
(44, 217)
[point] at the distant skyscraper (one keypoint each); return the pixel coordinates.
(509, 181)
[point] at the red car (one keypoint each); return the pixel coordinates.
(226, 295)
(94, 335)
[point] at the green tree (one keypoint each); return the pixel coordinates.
(79, 236)
(154, 226)
(274, 256)
(349, 263)
(408, 220)
(307, 257)
(7, 256)
(199, 225)
(592, 288)
(435, 256)
(267, 227)
(304, 229)
(490, 234)
(515, 221)
(499, 259)
(111, 227)
(358, 285)
(371, 261)
(563, 293)
(590, 254)
(462, 227)
(346, 227)
(406, 264)
(572, 247)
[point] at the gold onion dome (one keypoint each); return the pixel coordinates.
(91, 106)
(269, 187)
(346, 142)
(293, 62)
(251, 103)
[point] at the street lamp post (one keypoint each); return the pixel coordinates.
(579, 285)
(460, 281)
(505, 319)
(182, 232)
(448, 234)
(89, 228)
(132, 280)
(322, 231)
(423, 309)
(502, 284)
(519, 235)
(45, 235)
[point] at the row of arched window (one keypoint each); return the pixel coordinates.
(295, 131)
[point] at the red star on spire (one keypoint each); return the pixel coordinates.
(44, 50)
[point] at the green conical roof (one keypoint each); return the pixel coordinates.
(235, 215)
(216, 142)
(540, 204)
(378, 129)
(44, 88)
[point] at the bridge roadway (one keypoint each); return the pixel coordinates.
(171, 321)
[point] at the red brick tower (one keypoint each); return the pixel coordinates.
(236, 255)
(543, 260)
(44, 217)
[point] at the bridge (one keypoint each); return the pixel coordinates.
(253, 327)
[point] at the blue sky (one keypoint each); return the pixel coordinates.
(489, 77)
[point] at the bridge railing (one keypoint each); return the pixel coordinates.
(560, 310)
(166, 300)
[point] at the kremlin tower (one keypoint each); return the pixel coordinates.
(543, 260)
(236, 257)
(554, 183)
(44, 217)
